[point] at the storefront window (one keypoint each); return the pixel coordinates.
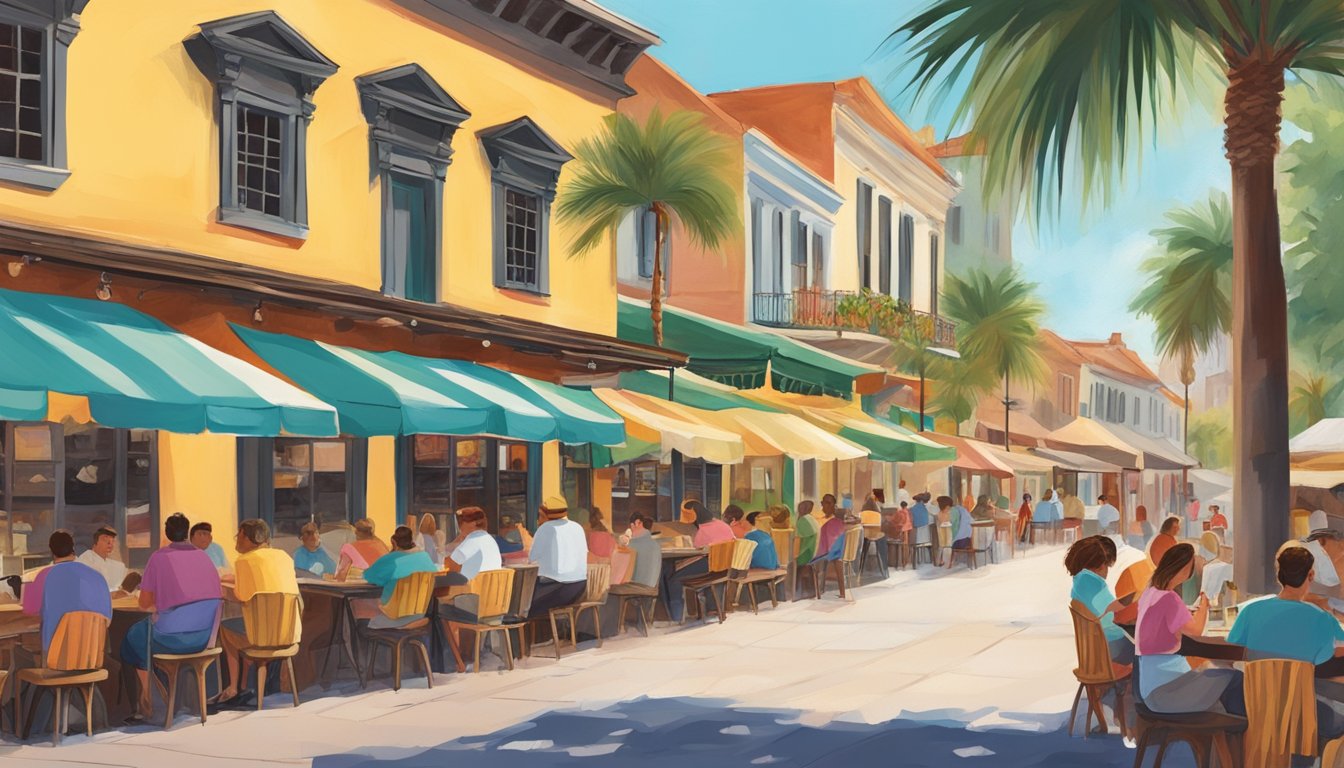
(448, 473)
(576, 476)
(105, 477)
(290, 481)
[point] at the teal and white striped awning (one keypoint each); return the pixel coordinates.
(137, 372)
(394, 393)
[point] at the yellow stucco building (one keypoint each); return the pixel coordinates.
(375, 176)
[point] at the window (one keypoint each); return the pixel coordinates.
(1136, 412)
(884, 245)
(522, 244)
(907, 267)
(1120, 416)
(818, 261)
(576, 477)
(777, 254)
(865, 231)
(35, 38)
(933, 273)
(799, 254)
(757, 246)
(1110, 404)
(411, 125)
(290, 481)
(646, 240)
(1066, 394)
(954, 224)
(439, 474)
(265, 74)
(81, 478)
(525, 165)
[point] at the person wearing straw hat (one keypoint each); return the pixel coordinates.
(1326, 546)
(560, 550)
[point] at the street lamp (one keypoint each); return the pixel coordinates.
(950, 354)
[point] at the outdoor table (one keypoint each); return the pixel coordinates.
(342, 594)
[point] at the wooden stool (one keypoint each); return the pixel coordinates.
(172, 663)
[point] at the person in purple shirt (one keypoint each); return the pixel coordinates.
(65, 587)
(181, 586)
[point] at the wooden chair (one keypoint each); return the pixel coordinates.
(786, 545)
(273, 621)
(749, 577)
(918, 548)
(594, 597)
(1333, 754)
(872, 539)
(633, 592)
(412, 596)
(74, 661)
(945, 544)
(1096, 672)
(1207, 733)
(720, 562)
(1280, 712)
(842, 569)
(1044, 528)
(494, 590)
(171, 665)
(982, 540)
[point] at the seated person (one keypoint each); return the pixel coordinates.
(473, 551)
(807, 532)
(203, 537)
(600, 541)
(427, 537)
(65, 586)
(648, 567)
(1286, 626)
(764, 555)
(1166, 682)
(1218, 570)
(560, 550)
(1133, 580)
(259, 569)
(831, 537)
(1108, 517)
(311, 556)
(736, 520)
(360, 553)
(181, 587)
(708, 529)
(386, 571)
(99, 558)
(1089, 562)
(1165, 539)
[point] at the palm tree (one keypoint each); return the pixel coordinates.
(1188, 286)
(957, 385)
(1053, 83)
(670, 166)
(998, 317)
(1310, 395)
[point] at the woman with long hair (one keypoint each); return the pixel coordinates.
(1089, 562)
(1165, 681)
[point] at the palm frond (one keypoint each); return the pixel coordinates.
(998, 318)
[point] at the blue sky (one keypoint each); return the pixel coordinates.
(1086, 264)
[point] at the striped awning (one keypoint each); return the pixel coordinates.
(394, 393)
(135, 372)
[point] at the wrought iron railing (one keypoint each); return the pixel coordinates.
(817, 309)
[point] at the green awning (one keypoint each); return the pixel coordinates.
(737, 356)
(138, 373)
(393, 393)
(905, 445)
(689, 389)
(909, 419)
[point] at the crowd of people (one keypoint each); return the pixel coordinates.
(1156, 618)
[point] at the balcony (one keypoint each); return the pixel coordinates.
(825, 310)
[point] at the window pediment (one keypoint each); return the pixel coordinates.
(407, 109)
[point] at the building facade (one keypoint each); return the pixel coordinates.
(286, 169)
(979, 227)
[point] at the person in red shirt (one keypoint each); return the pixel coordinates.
(735, 518)
(1217, 519)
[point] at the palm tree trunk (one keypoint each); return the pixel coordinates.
(656, 289)
(1259, 325)
(1006, 401)
(1185, 425)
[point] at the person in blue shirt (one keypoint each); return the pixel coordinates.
(203, 537)
(1089, 561)
(311, 556)
(66, 586)
(1286, 626)
(764, 555)
(386, 571)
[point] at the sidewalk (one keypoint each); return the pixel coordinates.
(990, 648)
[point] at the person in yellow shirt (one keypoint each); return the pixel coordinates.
(259, 569)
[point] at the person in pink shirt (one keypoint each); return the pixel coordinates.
(601, 543)
(1165, 681)
(832, 530)
(708, 529)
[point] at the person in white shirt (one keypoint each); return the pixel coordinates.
(560, 550)
(902, 495)
(1108, 517)
(99, 558)
(1326, 546)
(475, 549)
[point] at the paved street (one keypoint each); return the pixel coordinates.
(977, 662)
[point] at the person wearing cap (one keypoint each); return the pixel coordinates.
(560, 550)
(1326, 546)
(474, 550)
(360, 553)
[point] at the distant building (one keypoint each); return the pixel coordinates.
(979, 229)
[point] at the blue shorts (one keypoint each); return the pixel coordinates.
(133, 646)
